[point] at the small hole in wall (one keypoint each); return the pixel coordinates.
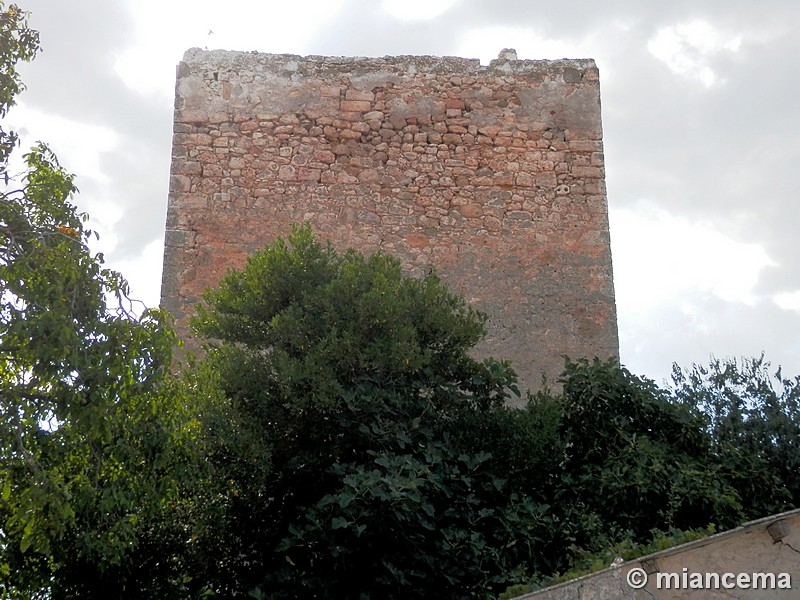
(216, 75)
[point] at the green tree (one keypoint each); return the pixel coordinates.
(635, 459)
(637, 462)
(753, 417)
(91, 426)
(18, 42)
(357, 384)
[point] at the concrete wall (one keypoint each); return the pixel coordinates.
(492, 174)
(770, 545)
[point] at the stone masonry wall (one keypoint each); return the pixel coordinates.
(492, 174)
(753, 562)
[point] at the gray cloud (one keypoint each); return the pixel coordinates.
(74, 77)
(724, 154)
(717, 328)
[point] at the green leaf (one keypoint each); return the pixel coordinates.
(345, 498)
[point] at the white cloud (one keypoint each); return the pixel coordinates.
(78, 145)
(417, 10)
(686, 49)
(79, 148)
(169, 28)
(143, 273)
(661, 260)
(788, 300)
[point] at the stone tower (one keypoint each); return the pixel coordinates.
(491, 174)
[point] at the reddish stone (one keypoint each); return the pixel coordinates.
(374, 115)
(471, 211)
(417, 240)
(352, 94)
(330, 91)
(180, 183)
(355, 105)
(306, 174)
(369, 176)
(492, 223)
(588, 172)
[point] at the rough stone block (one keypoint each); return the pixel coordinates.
(180, 183)
(355, 105)
(353, 94)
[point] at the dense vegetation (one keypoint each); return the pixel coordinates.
(337, 439)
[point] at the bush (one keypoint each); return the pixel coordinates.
(358, 381)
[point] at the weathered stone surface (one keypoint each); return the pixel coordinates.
(492, 174)
(706, 568)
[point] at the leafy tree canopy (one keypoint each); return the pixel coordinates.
(88, 417)
(717, 448)
(18, 42)
(352, 375)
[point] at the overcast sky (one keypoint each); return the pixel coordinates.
(701, 128)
